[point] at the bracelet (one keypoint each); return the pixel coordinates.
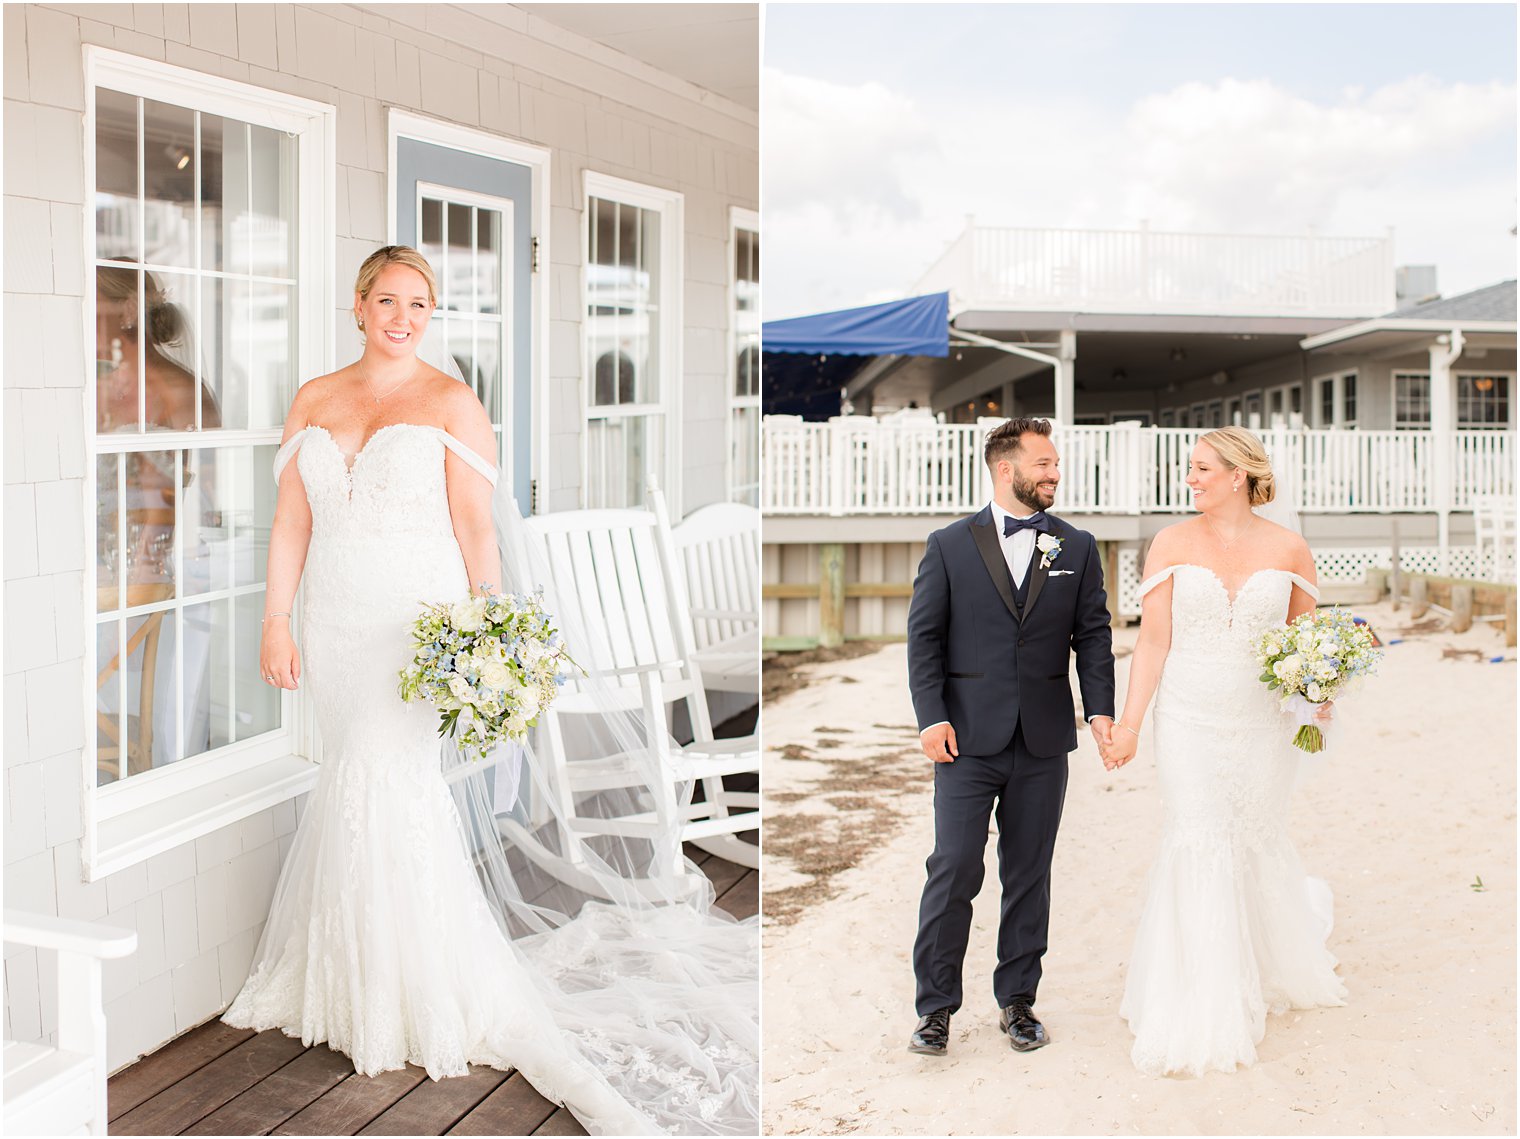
(266, 616)
(1127, 728)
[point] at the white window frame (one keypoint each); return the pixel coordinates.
(1412, 374)
(128, 822)
(749, 220)
(1474, 373)
(1336, 382)
(671, 206)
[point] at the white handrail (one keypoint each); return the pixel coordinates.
(856, 465)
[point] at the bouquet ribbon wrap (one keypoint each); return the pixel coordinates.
(1310, 736)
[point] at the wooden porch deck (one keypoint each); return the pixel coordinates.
(217, 1080)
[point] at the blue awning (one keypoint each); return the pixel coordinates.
(918, 326)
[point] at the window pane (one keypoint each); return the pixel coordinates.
(108, 526)
(432, 233)
(271, 217)
(1348, 399)
(227, 351)
(458, 261)
(146, 670)
(619, 453)
(1326, 403)
(257, 708)
(169, 355)
(118, 317)
(116, 176)
(207, 676)
(272, 356)
(169, 177)
(489, 254)
(745, 460)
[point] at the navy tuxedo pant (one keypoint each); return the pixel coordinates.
(1027, 791)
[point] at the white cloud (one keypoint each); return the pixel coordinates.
(864, 185)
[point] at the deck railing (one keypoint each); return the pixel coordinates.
(1152, 271)
(860, 465)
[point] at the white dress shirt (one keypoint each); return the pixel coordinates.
(1018, 548)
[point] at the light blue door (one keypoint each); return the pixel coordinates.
(472, 217)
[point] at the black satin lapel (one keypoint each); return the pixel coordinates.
(1037, 578)
(992, 556)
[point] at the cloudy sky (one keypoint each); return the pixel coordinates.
(886, 125)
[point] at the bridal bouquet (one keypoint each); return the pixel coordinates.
(489, 664)
(1314, 660)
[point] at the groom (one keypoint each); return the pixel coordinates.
(1001, 600)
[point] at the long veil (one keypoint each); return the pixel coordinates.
(652, 985)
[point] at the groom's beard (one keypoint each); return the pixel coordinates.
(1030, 494)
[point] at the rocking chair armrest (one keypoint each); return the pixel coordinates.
(658, 666)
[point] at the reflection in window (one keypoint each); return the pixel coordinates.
(744, 386)
(625, 416)
(1411, 401)
(1482, 401)
(195, 334)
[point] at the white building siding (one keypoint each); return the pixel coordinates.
(199, 908)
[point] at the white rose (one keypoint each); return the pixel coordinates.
(1287, 666)
(461, 689)
(1313, 692)
(469, 616)
(530, 653)
(527, 703)
(494, 674)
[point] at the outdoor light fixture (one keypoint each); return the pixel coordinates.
(1484, 383)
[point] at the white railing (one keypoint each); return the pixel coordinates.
(1150, 271)
(859, 465)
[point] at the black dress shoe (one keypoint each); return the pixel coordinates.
(932, 1036)
(1024, 1032)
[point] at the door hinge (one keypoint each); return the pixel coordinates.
(532, 496)
(534, 268)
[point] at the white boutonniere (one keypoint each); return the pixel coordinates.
(1050, 549)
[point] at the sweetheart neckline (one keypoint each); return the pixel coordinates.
(359, 454)
(1231, 598)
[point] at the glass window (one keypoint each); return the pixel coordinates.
(628, 288)
(196, 346)
(744, 386)
(1483, 401)
(1326, 401)
(1411, 401)
(1348, 400)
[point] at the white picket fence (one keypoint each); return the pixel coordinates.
(860, 465)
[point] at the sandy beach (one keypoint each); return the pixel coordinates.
(1414, 804)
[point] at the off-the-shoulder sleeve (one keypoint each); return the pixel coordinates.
(1305, 584)
(287, 452)
(1156, 579)
(472, 458)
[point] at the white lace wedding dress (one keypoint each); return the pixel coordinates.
(1233, 928)
(379, 941)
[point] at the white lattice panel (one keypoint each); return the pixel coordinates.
(1334, 564)
(1127, 591)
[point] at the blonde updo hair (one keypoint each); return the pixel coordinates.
(386, 255)
(1237, 447)
(166, 321)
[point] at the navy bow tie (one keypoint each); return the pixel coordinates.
(1035, 521)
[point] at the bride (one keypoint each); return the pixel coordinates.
(405, 928)
(1233, 928)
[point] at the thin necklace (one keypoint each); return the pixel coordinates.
(387, 395)
(1233, 540)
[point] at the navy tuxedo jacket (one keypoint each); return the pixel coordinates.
(975, 661)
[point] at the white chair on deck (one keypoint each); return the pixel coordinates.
(718, 559)
(612, 574)
(1494, 522)
(62, 1090)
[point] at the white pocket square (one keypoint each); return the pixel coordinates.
(1058, 573)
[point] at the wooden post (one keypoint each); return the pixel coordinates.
(1461, 608)
(1395, 582)
(1419, 597)
(1509, 620)
(830, 595)
(1111, 582)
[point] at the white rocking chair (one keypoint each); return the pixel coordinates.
(718, 556)
(62, 1090)
(612, 572)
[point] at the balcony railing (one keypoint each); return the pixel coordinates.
(859, 465)
(1150, 271)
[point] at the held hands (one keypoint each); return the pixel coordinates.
(938, 743)
(279, 659)
(1117, 744)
